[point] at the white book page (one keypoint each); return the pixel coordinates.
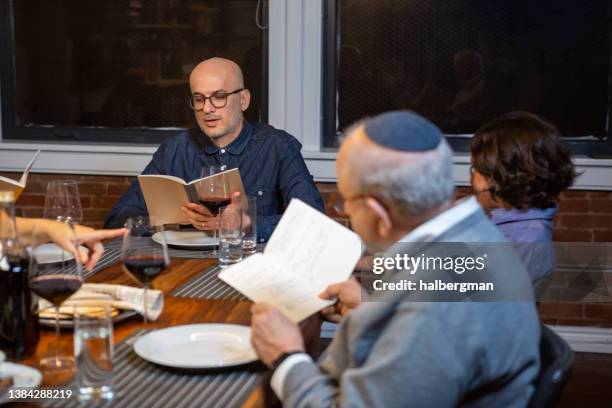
(314, 246)
(262, 279)
(24, 177)
(163, 176)
(7, 184)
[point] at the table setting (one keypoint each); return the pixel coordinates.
(111, 335)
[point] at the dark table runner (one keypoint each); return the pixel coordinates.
(138, 383)
(207, 285)
(199, 253)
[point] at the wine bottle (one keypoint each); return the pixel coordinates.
(19, 329)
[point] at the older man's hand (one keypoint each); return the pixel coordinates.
(348, 294)
(273, 334)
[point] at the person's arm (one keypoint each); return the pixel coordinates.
(408, 357)
(62, 235)
(132, 202)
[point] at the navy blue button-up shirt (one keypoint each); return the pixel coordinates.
(270, 163)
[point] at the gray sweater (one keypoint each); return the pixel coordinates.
(395, 353)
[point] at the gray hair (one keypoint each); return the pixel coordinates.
(411, 182)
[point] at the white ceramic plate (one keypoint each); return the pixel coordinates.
(186, 239)
(198, 346)
(52, 253)
(23, 377)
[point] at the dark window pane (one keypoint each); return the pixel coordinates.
(125, 63)
(462, 62)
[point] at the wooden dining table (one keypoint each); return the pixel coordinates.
(176, 311)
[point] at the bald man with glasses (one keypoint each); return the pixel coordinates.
(270, 163)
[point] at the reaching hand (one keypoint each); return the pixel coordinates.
(61, 234)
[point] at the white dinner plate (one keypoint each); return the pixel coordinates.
(198, 346)
(52, 253)
(23, 377)
(187, 239)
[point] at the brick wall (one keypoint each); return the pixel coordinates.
(584, 216)
(98, 194)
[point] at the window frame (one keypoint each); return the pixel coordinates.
(77, 134)
(459, 143)
(295, 104)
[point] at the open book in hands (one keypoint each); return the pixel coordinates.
(7, 184)
(307, 252)
(164, 195)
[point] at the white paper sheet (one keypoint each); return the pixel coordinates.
(307, 252)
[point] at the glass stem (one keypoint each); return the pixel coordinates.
(146, 311)
(57, 336)
(216, 234)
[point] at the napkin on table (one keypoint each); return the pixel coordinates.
(95, 295)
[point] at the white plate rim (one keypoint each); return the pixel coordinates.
(138, 345)
(51, 249)
(25, 372)
(179, 243)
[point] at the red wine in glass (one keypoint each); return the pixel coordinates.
(215, 203)
(54, 281)
(144, 267)
(142, 258)
(214, 193)
(55, 288)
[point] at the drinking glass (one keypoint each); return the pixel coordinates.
(142, 258)
(93, 350)
(249, 225)
(54, 276)
(62, 202)
(230, 235)
(214, 193)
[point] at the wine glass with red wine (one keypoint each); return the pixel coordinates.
(54, 275)
(143, 259)
(214, 193)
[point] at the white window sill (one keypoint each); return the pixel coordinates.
(595, 174)
(130, 160)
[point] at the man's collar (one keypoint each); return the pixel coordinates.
(234, 148)
(430, 230)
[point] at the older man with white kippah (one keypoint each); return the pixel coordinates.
(395, 175)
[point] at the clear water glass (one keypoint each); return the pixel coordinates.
(93, 350)
(230, 235)
(249, 225)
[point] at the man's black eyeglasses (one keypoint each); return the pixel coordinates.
(218, 99)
